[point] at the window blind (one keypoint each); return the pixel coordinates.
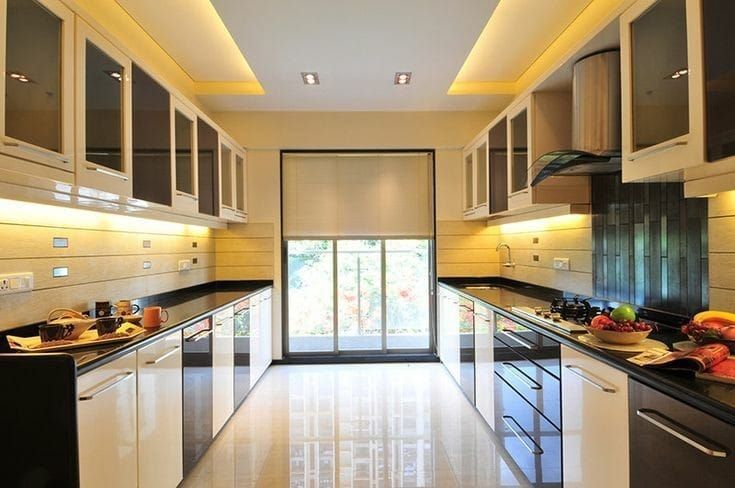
(357, 195)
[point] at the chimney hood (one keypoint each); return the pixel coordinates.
(595, 122)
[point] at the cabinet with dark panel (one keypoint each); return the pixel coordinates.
(208, 168)
(675, 445)
(498, 166)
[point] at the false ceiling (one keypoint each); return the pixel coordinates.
(450, 46)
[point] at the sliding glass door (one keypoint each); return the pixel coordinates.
(358, 295)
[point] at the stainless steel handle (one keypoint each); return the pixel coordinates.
(525, 379)
(654, 149)
(577, 371)
(187, 195)
(519, 339)
(669, 426)
(535, 449)
(161, 358)
(200, 335)
(120, 378)
(107, 172)
(462, 305)
(37, 150)
(484, 317)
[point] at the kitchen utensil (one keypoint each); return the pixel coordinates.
(54, 332)
(67, 316)
(154, 316)
(107, 325)
(126, 307)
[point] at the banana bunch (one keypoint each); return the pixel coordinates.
(711, 325)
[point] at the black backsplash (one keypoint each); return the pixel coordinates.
(649, 245)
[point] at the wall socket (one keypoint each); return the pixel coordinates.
(16, 283)
(185, 265)
(561, 264)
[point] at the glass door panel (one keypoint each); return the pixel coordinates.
(104, 108)
(469, 201)
(240, 181)
(226, 158)
(207, 168)
(359, 284)
(407, 293)
(310, 296)
(184, 156)
(519, 146)
(481, 179)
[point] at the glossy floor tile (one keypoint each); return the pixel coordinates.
(361, 425)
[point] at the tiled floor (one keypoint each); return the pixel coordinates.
(369, 425)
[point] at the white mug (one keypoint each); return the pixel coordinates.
(126, 307)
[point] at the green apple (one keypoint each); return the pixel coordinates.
(623, 312)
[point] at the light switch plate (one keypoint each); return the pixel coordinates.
(185, 265)
(16, 283)
(561, 264)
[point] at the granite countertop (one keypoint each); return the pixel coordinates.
(184, 308)
(717, 399)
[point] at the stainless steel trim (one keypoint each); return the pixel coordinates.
(106, 172)
(199, 335)
(37, 150)
(654, 149)
(667, 425)
(525, 379)
(161, 358)
(577, 371)
(536, 450)
(520, 340)
(120, 378)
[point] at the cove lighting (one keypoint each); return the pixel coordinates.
(310, 78)
(402, 78)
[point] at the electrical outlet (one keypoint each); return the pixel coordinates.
(185, 265)
(536, 257)
(561, 264)
(16, 283)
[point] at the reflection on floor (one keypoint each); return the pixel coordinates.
(355, 425)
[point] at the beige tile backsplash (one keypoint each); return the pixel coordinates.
(721, 238)
(466, 249)
(244, 252)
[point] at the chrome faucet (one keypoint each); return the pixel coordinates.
(509, 263)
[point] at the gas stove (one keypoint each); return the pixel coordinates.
(567, 314)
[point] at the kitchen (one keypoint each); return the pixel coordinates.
(238, 253)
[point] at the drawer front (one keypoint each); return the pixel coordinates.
(534, 383)
(527, 342)
(673, 444)
(531, 440)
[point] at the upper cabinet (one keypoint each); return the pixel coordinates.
(208, 168)
(485, 172)
(232, 182)
(36, 109)
(475, 187)
(184, 141)
(103, 101)
(498, 166)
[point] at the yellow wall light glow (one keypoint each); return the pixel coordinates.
(540, 225)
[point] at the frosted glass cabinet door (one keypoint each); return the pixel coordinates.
(106, 412)
(484, 362)
(223, 373)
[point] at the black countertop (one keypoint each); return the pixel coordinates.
(184, 308)
(717, 399)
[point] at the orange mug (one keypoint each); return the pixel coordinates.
(154, 316)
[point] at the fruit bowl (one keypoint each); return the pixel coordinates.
(615, 337)
(712, 327)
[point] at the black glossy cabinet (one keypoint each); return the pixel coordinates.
(675, 445)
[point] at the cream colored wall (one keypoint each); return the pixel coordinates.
(721, 237)
(466, 249)
(105, 258)
(244, 252)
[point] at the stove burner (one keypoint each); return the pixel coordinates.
(574, 310)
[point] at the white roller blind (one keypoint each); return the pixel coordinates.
(357, 195)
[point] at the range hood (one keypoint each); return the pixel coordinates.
(595, 122)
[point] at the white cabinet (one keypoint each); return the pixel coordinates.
(261, 339)
(594, 422)
(159, 413)
(232, 181)
(223, 370)
(106, 411)
(484, 357)
(103, 115)
(449, 332)
(37, 109)
(475, 179)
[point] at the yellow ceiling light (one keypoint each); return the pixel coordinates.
(572, 221)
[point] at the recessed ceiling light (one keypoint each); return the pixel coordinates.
(402, 78)
(310, 78)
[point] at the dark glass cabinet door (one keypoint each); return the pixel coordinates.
(184, 140)
(519, 154)
(240, 182)
(151, 139)
(227, 183)
(719, 77)
(498, 166)
(103, 108)
(208, 168)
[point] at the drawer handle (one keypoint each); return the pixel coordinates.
(120, 378)
(669, 426)
(654, 149)
(180, 193)
(525, 379)
(577, 371)
(520, 340)
(536, 449)
(462, 305)
(37, 150)
(200, 335)
(108, 172)
(161, 358)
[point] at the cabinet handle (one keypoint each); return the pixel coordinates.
(577, 371)
(462, 305)
(37, 150)
(484, 317)
(199, 335)
(669, 426)
(536, 449)
(187, 195)
(654, 149)
(519, 339)
(120, 378)
(161, 358)
(108, 172)
(525, 379)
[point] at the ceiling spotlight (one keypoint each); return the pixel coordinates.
(402, 78)
(310, 78)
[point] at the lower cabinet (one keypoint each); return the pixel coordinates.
(106, 409)
(223, 372)
(260, 340)
(594, 402)
(673, 444)
(159, 413)
(484, 362)
(449, 332)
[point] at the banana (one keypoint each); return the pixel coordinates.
(715, 315)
